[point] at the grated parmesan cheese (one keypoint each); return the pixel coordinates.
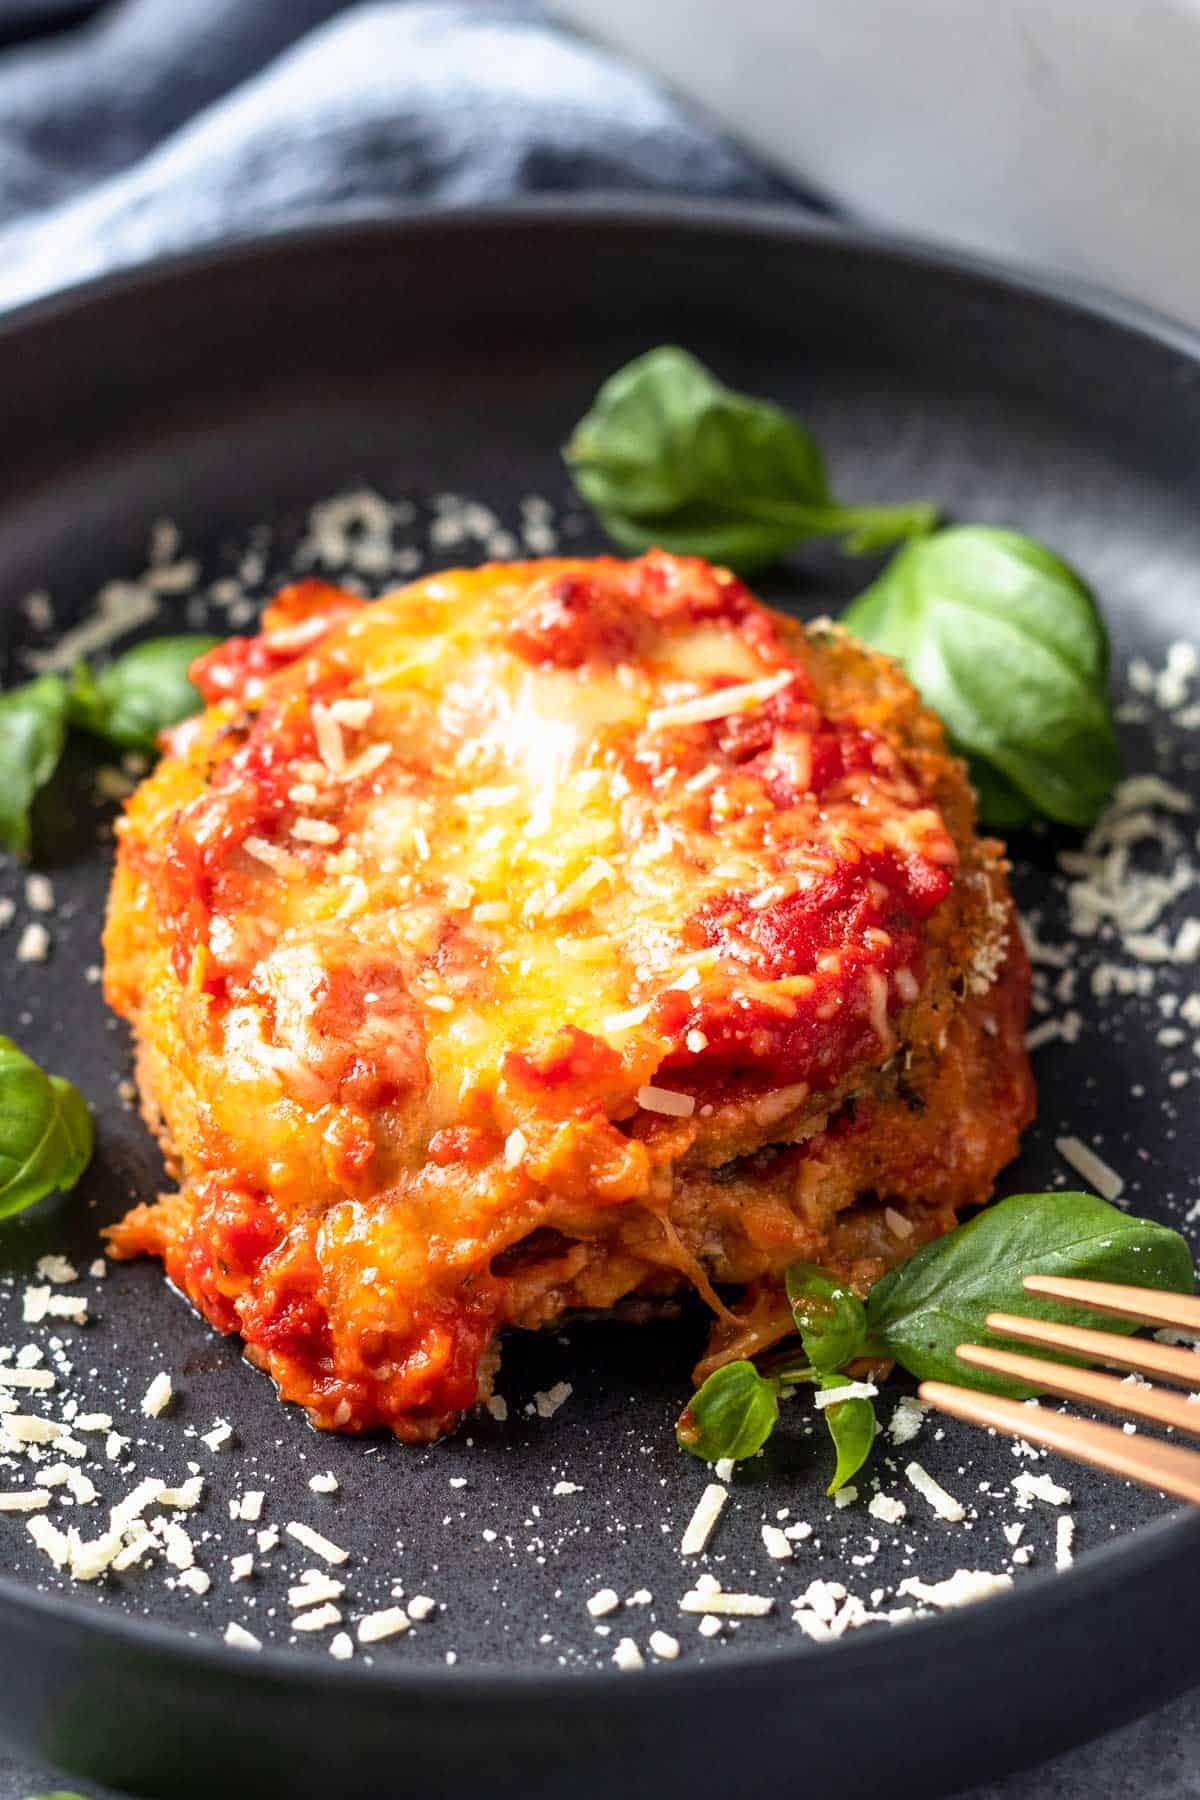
(720, 703)
(377, 1626)
(666, 1100)
(703, 1521)
(312, 1540)
(737, 1606)
(943, 1504)
(962, 1588)
(157, 1396)
(1107, 1183)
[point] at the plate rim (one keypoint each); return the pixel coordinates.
(1100, 1576)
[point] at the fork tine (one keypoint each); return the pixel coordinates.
(1167, 1467)
(1102, 1346)
(1149, 1306)
(1085, 1384)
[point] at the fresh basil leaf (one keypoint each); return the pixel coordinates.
(733, 1414)
(923, 1310)
(669, 456)
(852, 1427)
(1006, 644)
(33, 725)
(45, 1131)
(832, 1321)
(140, 694)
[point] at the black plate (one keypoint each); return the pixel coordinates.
(451, 355)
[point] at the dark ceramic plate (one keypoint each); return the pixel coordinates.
(440, 356)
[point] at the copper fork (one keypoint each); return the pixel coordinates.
(1170, 1468)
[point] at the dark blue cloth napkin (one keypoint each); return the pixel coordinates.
(163, 124)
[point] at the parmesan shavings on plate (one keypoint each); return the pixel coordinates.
(1107, 1183)
(737, 1606)
(312, 1540)
(703, 1521)
(943, 1504)
(962, 1588)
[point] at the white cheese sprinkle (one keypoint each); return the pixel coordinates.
(907, 1419)
(887, 1508)
(241, 1639)
(319, 1619)
(737, 1606)
(53, 1543)
(962, 1588)
(315, 831)
(313, 1589)
(515, 1146)
(312, 1540)
(603, 1602)
(274, 857)
(853, 1390)
(56, 1269)
(1029, 1488)
(1107, 1183)
(628, 1656)
(666, 1100)
(377, 1626)
(776, 1543)
(39, 893)
(703, 1520)
(33, 945)
(157, 1396)
(28, 1500)
(664, 1645)
(25, 1378)
(38, 1303)
(547, 1402)
(943, 1504)
(324, 1484)
(1064, 1538)
(718, 704)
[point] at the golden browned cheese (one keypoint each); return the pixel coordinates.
(543, 937)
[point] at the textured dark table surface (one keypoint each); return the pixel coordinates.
(165, 123)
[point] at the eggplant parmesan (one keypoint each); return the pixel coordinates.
(545, 937)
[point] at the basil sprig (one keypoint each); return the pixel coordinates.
(125, 704)
(851, 1425)
(140, 695)
(33, 730)
(1002, 638)
(669, 456)
(45, 1131)
(733, 1414)
(830, 1319)
(921, 1311)
(1007, 646)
